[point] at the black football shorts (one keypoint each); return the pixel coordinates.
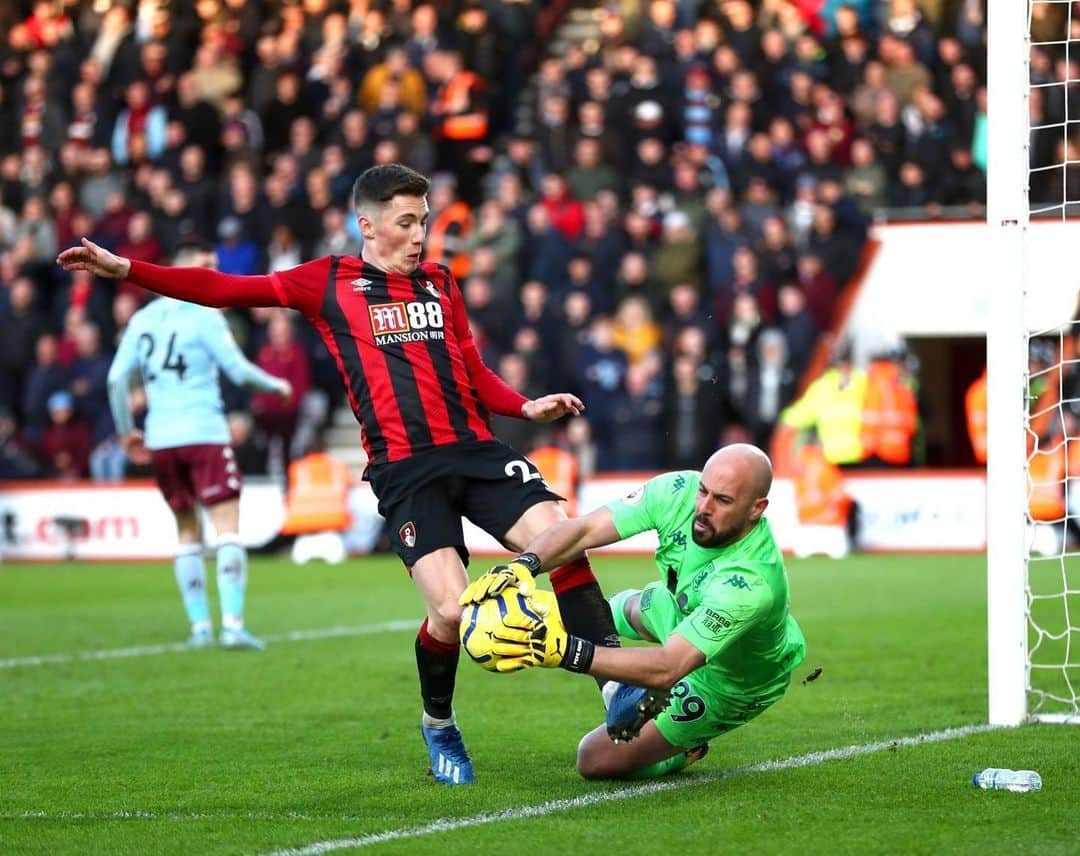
(423, 498)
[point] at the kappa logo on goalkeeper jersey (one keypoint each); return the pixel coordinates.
(737, 581)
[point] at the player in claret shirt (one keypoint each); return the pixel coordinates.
(398, 332)
(178, 349)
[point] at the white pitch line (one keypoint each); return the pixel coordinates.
(141, 814)
(181, 648)
(451, 824)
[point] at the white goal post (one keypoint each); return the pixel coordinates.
(1017, 686)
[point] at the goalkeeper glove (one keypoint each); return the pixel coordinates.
(547, 645)
(510, 639)
(517, 574)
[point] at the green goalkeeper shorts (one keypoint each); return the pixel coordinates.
(702, 707)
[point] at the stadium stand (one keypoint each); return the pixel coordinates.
(656, 205)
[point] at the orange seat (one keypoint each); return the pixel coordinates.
(318, 496)
(820, 498)
(559, 469)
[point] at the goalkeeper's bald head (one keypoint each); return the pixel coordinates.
(752, 463)
(732, 495)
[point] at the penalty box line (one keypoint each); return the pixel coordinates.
(585, 800)
(181, 648)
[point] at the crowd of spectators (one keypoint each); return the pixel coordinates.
(659, 218)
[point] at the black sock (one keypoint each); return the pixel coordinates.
(436, 661)
(585, 610)
(586, 613)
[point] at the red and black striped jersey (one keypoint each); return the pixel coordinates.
(402, 344)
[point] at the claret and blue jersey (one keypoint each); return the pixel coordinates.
(178, 348)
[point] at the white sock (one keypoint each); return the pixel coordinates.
(607, 691)
(429, 721)
(191, 580)
(232, 580)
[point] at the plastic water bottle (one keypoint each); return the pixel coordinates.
(1017, 781)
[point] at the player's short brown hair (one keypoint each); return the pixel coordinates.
(381, 183)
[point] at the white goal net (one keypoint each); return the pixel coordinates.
(1052, 543)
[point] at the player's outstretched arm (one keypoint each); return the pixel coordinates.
(240, 369)
(569, 538)
(655, 668)
(554, 547)
(193, 284)
(725, 613)
(99, 261)
(547, 644)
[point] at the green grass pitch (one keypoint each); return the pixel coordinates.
(317, 740)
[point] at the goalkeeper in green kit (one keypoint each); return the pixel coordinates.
(720, 613)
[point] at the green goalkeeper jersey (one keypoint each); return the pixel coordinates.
(733, 601)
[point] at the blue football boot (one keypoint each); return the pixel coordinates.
(450, 762)
(630, 708)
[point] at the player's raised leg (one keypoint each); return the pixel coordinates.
(190, 574)
(232, 575)
(440, 577)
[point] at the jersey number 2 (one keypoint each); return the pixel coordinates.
(173, 362)
(520, 469)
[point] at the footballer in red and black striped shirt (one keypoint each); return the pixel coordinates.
(402, 344)
(398, 331)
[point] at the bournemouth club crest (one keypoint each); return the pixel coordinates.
(407, 534)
